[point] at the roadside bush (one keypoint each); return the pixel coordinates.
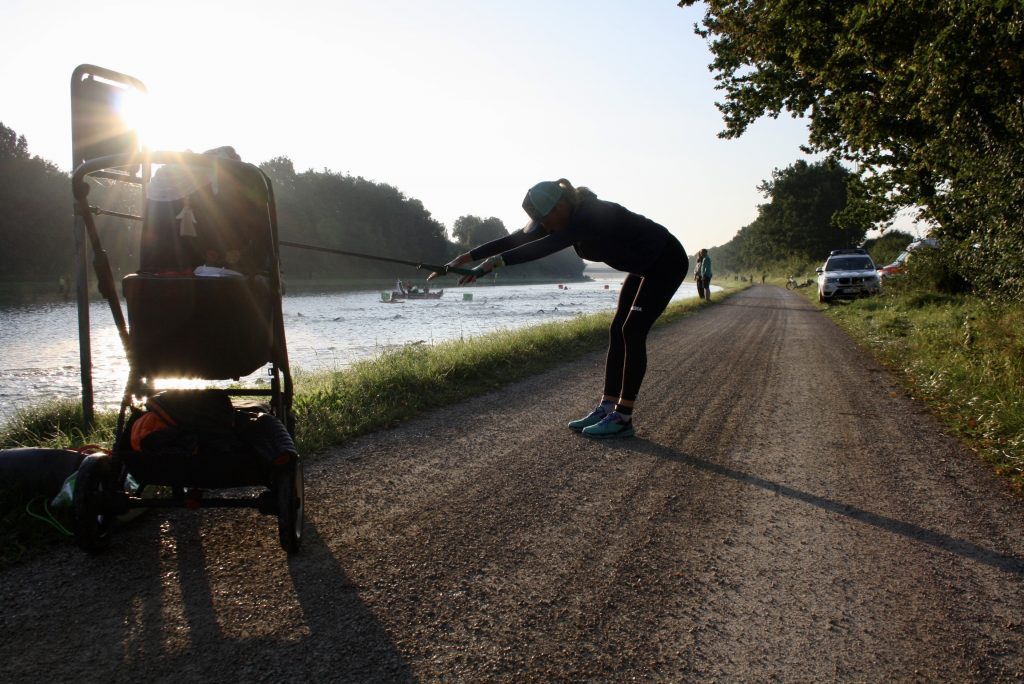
(930, 271)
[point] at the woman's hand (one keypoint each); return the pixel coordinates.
(456, 262)
(483, 269)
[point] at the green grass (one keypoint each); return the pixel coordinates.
(331, 408)
(56, 424)
(961, 355)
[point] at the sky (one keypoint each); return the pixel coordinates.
(461, 104)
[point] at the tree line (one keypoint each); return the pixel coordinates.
(925, 99)
(318, 208)
(35, 210)
(796, 227)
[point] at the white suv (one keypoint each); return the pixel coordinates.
(847, 273)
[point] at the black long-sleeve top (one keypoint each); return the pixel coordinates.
(597, 230)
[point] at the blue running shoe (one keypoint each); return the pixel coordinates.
(593, 419)
(611, 425)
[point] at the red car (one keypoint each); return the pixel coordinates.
(897, 266)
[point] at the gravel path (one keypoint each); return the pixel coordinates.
(785, 513)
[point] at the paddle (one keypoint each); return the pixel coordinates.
(426, 267)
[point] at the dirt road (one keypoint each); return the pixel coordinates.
(785, 513)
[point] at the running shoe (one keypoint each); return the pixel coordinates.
(611, 425)
(593, 419)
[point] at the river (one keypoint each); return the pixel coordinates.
(325, 331)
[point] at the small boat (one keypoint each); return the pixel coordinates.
(406, 290)
(416, 294)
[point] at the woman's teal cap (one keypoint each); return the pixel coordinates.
(540, 200)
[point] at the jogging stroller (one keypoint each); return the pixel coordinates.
(204, 304)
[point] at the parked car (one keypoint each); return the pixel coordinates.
(847, 273)
(900, 263)
(893, 268)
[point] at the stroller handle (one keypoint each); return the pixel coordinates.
(119, 161)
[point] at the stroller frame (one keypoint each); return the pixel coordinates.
(103, 488)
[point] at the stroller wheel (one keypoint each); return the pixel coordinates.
(93, 488)
(291, 506)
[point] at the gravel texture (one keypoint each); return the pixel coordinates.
(786, 513)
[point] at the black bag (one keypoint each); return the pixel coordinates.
(206, 442)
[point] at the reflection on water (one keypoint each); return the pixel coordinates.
(328, 331)
(39, 357)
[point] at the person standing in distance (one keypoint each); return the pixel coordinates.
(705, 273)
(598, 230)
(696, 275)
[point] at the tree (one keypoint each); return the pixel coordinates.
(926, 97)
(328, 209)
(470, 231)
(35, 213)
(12, 145)
(796, 225)
(798, 219)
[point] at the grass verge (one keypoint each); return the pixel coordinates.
(331, 408)
(961, 355)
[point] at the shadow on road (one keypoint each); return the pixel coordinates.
(342, 639)
(1007, 563)
(346, 639)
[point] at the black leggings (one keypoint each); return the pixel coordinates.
(641, 301)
